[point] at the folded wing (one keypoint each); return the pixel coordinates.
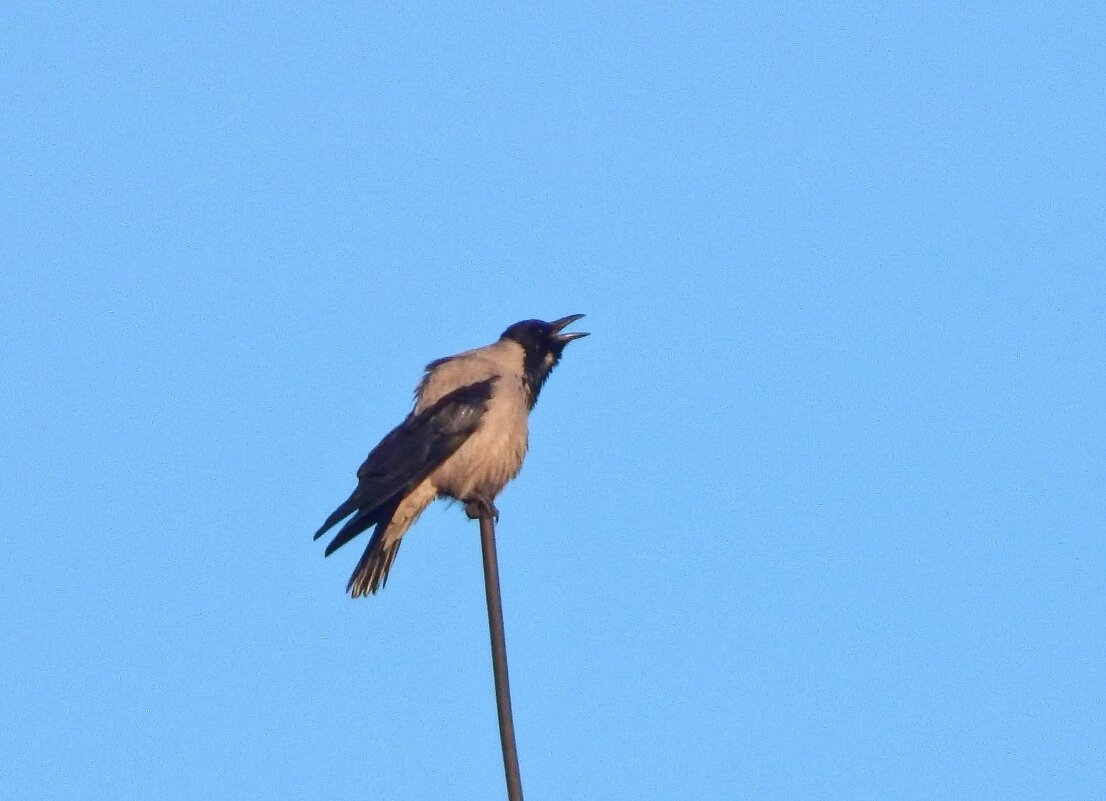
(406, 456)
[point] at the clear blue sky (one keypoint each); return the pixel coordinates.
(816, 513)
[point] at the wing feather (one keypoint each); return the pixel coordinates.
(407, 455)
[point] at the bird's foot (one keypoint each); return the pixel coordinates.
(476, 508)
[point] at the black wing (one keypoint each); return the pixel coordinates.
(407, 455)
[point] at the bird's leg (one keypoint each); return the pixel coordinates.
(477, 507)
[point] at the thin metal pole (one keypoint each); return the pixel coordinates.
(499, 659)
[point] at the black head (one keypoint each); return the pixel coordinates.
(542, 344)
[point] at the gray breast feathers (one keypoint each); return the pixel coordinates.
(493, 454)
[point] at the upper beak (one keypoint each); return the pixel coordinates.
(557, 325)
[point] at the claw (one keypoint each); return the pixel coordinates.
(476, 508)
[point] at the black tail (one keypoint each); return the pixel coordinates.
(371, 573)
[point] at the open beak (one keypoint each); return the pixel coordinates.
(557, 325)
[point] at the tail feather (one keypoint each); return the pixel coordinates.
(371, 573)
(392, 520)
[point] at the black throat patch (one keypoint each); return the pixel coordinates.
(537, 363)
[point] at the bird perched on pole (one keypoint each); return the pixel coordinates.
(464, 440)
